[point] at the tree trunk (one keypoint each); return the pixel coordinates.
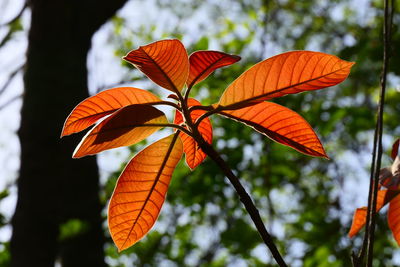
(52, 187)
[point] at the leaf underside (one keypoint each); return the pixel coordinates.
(287, 73)
(360, 215)
(194, 154)
(394, 218)
(165, 62)
(140, 191)
(203, 63)
(125, 127)
(395, 149)
(281, 125)
(102, 104)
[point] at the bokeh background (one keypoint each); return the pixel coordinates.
(55, 53)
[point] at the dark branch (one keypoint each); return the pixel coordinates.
(379, 129)
(10, 78)
(16, 16)
(246, 200)
(10, 101)
(369, 237)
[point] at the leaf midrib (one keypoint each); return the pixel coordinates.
(175, 89)
(254, 98)
(205, 70)
(258, 128)
(171, 146)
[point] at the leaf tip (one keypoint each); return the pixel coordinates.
(78, 153)
(236, 57)
(349, 64)
(65, 132)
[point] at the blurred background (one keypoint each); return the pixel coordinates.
(55, 53)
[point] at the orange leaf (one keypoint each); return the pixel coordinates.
(164, 62)
(140, 191)
(194, 154)
(104, 103)
(359, 220)
(281, 125)
(125, 127)
(287, 73)
(202, 63)
(360, 216)
(394, 218)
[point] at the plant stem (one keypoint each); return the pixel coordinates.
(372, 210)
(246, 200)
(369, 237)
(244, 197)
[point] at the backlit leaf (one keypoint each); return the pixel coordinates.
(164, 62)
(394, 218)
(194, 154)
(360, 216)
(287, 73)
(104, 103)
(140, 191)
(395, 149)
(125, 127)
(281, 125)
(202, 63)
(359, 219)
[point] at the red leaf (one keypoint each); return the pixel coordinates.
(287, 73)
(104, 103)
(394, 218)
(140, 191)
(281, 125)
(164, 62)
(194, 154)
(202, 63)
(395, 149)
(360, 216)
(125, 127)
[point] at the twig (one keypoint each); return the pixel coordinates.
(10, 101)
(246, 200)
(386, 48)
(10, 78)
(16, 16)
(244, 197)
(11, 31)
(369, 237)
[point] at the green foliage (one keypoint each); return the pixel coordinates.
(72, 228)
(302, 199)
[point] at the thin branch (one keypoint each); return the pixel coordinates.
(245, 199)
(205, 115)
(16, 16)
(369, 237)
(10, 78)
(6, 37)
(171, 125)
(386, 47)
(11, 30)
(167, 103)
(206, 108)
(10, 101)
